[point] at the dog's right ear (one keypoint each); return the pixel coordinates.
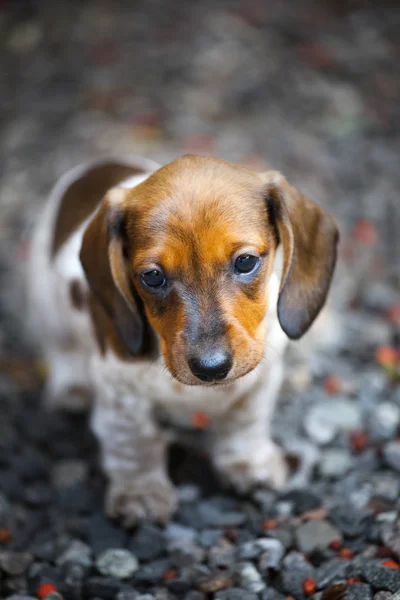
(103, 259)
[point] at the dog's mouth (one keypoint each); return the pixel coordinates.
(187, 378)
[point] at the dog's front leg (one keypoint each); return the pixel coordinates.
(243, 453)
(133, 453)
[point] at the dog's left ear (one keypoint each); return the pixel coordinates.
(309, 237)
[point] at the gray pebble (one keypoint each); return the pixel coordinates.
(184, 553)
(175, 531)
(235, 594)
(222, 555)
(391, 537)
(77, 552)
(295, 570)
(249, 578)
(194, 595)
(271, 594)
(384, 596)
(209, 537)
(358, 591)
(254, 548)
(15, 563)
(316, 535)
(187, 494)
(272, 553)
(20, 597)
(5, 512)
(385, 486)
(381, 577)
(330, 571)
(147, 543)
(66, 473)
(391, 453)
(118, 563)
(324, 420)
(335, 462)
(384, 421)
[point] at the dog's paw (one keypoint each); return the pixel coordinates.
(145, 498)
(266, 466)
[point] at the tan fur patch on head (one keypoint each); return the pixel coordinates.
(191, 218)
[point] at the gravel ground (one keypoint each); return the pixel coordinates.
(312, 89)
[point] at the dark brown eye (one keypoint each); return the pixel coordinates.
(246, 263)
(153, 278)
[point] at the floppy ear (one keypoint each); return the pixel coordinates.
(103, 260)
(309, 238)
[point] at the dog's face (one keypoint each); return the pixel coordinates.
(190, 251)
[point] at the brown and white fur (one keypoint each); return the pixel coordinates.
(111, 343)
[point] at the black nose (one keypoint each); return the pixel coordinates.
(212, 366)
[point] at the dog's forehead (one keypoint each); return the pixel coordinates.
(199, 206)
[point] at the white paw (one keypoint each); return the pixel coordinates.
(265, 466)
(144, 498)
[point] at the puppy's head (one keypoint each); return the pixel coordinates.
(189, 253)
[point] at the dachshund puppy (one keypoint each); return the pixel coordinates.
(164, 293)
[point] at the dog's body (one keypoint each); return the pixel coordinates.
(102, 333)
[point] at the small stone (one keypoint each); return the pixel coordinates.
(195, 595)
(72, 577)
(101, 587)
(335, 463)
(209, 537)
(249, 578)
(385, 486)
(350, 521)
(68, 472)
(271, 594)
(103, 534)
(391, 453)
(384, 596)
(385, 421)
(326, 419)
(302, 500)
(175, 531)
(143, 597)
(118, 563)
(330, 571)
(187, 494)
(269, 550)
(236, 594)
(215, 513)
(391, 537)
(130, 594)
(222, 555)
(15, 563)
(382, 578)
(77, 552)
(213, 583)
(5, 512)
(184, 553)
(315, 535)
(147, 543)
(20, 597)
(151, 573)
(163, 594)
(358, 591)
(295, 570)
